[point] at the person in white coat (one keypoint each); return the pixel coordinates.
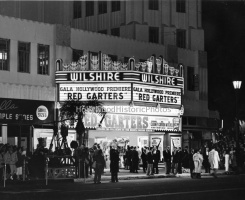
(198, 159)
(214, 159)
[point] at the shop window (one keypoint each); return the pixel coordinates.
(77, 9)
(115, 6)
(76, 54)
(181, 38)
(153, 5)
(192, 121)
(102, 7)
(115, 32)
(24, 57)
(43, 59)
(89, 8)
(180, 6)
(154, 34)
(4, 54)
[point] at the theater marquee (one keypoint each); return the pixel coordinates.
(99, 91)
(155, 94)
(120, 76)
(126, 122)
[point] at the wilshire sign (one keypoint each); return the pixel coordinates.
(120, 76)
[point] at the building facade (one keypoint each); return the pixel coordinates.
(121, 30)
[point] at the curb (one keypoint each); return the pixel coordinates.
(132, 177)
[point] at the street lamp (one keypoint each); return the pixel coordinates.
(237, 85)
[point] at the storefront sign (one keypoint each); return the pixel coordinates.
(26, 111)
(99, 91)
(155, 94)
(133, 122)
(119, 76)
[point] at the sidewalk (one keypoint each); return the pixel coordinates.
(122, 175)
(126, 175)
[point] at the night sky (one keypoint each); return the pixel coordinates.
(224, 26)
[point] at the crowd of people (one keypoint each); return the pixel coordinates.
(14, 158)
(87, 160)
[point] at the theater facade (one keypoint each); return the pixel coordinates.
(143, 100)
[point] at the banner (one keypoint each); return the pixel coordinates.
(133, 122)
(99, 91)
(155, 94)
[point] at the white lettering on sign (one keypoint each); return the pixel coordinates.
(133, 122)
(7, 105)
(99, 91)
(155, 94)
(94, 76)
(158, 79)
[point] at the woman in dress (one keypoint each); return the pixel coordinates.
(198, 159)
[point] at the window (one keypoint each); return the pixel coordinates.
(190, 81)
(89, 8)
(153, 4)
(181, 38)
(115, 6)
(4, 54)
(102, 7)
(102, 31)
(154, 34)
(77, 9)
(43, 59)
(115, 32)
(180, 6)
(24, 57)
(76, 54)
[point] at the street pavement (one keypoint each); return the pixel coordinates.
(225, 187)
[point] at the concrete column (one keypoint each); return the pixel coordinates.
(4, 133)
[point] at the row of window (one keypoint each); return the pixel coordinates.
(116, 6)
(154, 35)
(89, 5)
(24, 49)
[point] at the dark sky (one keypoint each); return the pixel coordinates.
(224, 26)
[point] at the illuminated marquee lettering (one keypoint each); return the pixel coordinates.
(119, 76)
(94, 76)
(158, 79)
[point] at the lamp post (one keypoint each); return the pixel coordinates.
(237, 85)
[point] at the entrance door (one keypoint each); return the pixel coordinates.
(143, 141)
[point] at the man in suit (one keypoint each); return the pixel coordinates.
(135, 160)
(156, 159)
(180, 157)
(167, 159)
